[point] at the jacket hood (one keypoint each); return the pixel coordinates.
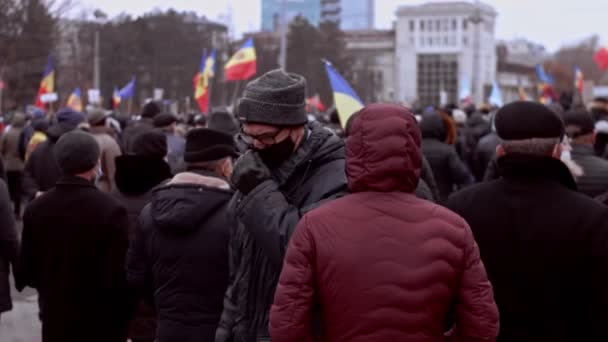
(187, 201)
(383, 151)
(433, 127)
(136, 175)
(320, 147)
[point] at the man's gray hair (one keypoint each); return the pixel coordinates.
(535, 146)
(210, 165)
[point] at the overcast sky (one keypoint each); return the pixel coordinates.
(549, 22)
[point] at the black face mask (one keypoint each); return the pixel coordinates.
(274, 155)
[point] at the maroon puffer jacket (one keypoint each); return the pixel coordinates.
(384, 265)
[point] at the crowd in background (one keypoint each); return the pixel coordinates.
(266, 222)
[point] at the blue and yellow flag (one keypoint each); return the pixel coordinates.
(346, 100)
(75, 100)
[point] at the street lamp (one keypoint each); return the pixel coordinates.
(476, 19)
(100, 18)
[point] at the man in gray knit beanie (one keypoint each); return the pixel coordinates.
(289, 167)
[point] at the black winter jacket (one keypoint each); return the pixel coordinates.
(484, 153)
(545, 248)
(448, 169)
(9, 248)
(265, 221)
(181, 248)
(594, 180)
(73, 252)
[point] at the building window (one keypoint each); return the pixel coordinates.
(430, 41)
(436, 73)
(422, 25)
(465, 23)
(444, 25)
(454, 25)
(421, 41)
(412, 25)
(429, 24)
(412, 41)
(465, 41)
(445, 40)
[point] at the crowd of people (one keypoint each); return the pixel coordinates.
(260, 224)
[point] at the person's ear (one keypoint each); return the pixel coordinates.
(225, 168)
(557, 151)
(500, 151)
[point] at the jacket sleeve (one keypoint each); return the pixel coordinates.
(476, 311)
(291, 312)
(597, 253)
(271, 218)
(224, 330)
(460, 175)
(137, 258)
(9, 243)
(30, 185)
(118, 242)
(110, 155)
(427, 175)
(28, 266)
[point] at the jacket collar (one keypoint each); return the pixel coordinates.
(522, 166)
(303, 154)
(583, 150)
(74, 181)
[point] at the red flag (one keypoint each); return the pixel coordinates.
(315, 102)
(601, 58)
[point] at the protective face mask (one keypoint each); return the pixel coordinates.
(274, 155)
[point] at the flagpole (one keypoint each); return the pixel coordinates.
(209, 87)
(235, 94)
(129, 105)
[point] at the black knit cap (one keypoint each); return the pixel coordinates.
(204, 144)
(164, 120)
(275, 98)
(150, 110)
(76, 152)
(522, 120)
(151, 144)
(578, 123)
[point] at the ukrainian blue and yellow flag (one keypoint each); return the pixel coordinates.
(75, 100)
(346, 100)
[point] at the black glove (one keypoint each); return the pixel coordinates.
(249, 172)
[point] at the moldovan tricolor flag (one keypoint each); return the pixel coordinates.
(75, 100)
(47, 85)
(242, 65)
(346, 100)
(116, 98)
(601, 58)
(579, 80)
(202, 81)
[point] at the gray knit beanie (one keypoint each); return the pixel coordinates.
(76, 152)
(275, 98)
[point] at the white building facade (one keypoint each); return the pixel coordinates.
(438, 45)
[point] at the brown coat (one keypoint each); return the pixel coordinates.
(109, 151)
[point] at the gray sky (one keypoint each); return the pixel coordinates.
(549, 22)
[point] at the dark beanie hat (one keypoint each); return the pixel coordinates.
(164, 120)
(76, 152)
(150, 110)
(578, 123)
(70, 117)
(275, 98)
(204, 144)
(151, 144)
(522, 120)
(223, 121)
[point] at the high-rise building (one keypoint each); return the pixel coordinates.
(331, 11)
(271, 12)
(440, 44)
(357, 15)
